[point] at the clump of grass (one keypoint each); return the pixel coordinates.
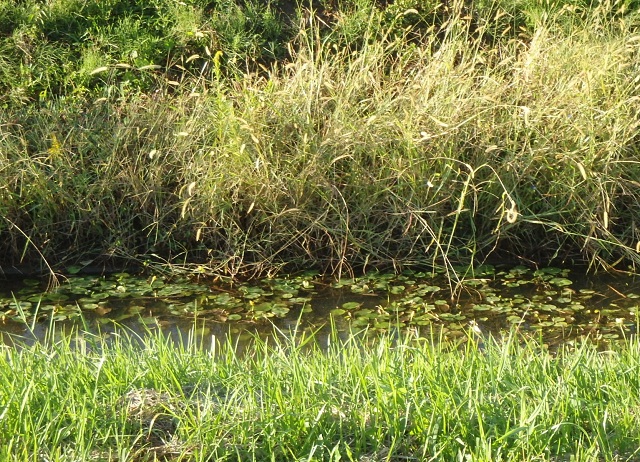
(429, 141)
(289, 399)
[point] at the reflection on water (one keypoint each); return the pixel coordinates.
(557, 304)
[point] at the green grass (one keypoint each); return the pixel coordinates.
(78, 398)
(246, 140)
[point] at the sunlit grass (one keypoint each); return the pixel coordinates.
(79, 398)
(384, 139)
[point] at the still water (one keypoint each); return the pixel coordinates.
(555, 304)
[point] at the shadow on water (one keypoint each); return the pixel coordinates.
(558, 305)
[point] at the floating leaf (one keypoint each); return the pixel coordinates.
(280, 311)
(356, 289)
(611, 336)
(263, 307)
(482, 307)
(454, 316)
(364, 313)
(561, 282)
(547, 307)
(360, 322)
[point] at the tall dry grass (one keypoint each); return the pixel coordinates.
(449, 146)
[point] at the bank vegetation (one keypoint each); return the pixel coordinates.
(253, 138)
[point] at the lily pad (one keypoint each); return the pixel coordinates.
(364, 313)
(280, 311)
(561, 282)
(482, 307)
(263, 307)
(549, 270)
(397, 289)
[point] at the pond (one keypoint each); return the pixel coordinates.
(557, 304)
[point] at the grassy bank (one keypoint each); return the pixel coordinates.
(389, 400)
(248, 139)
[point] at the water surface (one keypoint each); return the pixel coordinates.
(556, 304)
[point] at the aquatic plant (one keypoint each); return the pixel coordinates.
(553, 303)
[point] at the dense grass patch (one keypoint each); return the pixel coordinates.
(507, 399)
(245, 139)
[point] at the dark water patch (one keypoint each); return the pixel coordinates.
(556, 304)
